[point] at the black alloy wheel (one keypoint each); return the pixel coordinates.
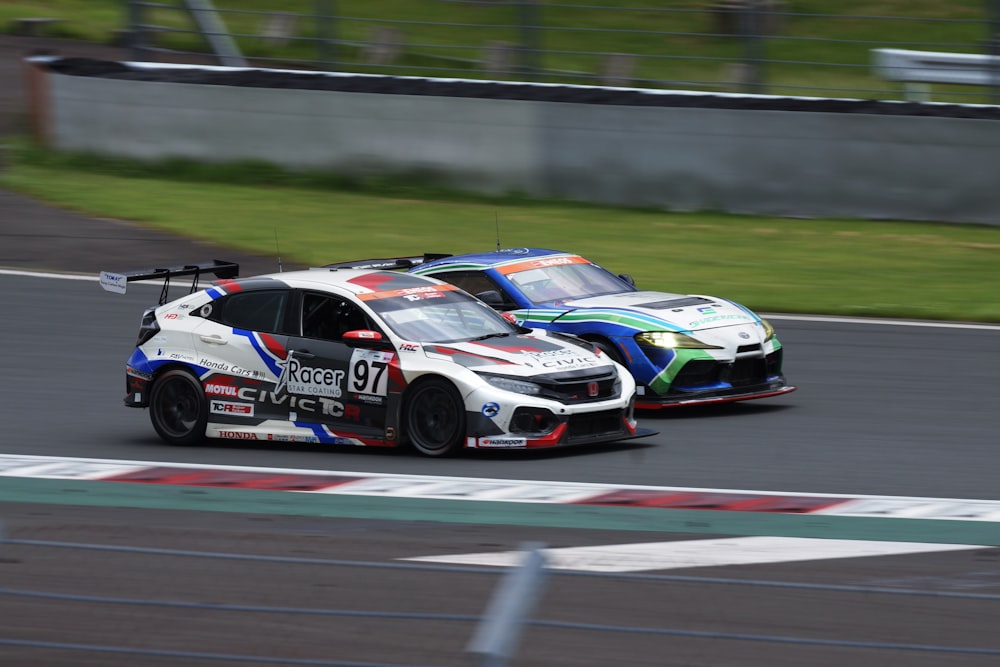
(178, 408)
(435, 418)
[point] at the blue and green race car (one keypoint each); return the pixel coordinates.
(682, 349)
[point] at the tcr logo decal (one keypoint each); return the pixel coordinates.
(228, 408)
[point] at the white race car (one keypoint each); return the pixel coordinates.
(363, 357)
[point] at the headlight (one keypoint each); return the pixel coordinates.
(672, 339)
(768, 329)
(513, 384)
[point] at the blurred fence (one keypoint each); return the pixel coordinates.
(758, 156)
(781, 47)
(174, 606)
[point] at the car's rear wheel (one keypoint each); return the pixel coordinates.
(178, 408)
(435, 418)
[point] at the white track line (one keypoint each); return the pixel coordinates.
(697, 553)
(770, 316)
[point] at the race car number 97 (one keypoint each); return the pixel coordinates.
(369, 374)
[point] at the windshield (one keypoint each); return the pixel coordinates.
(567, 281)
(441, 316)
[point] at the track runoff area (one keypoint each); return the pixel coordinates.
(758, 527)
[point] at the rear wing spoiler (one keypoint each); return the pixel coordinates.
(389, 263)
(118, 282)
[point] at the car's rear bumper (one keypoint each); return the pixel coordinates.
(136, 388)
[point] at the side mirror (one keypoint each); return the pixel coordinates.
(365, 338)
(627, 278)
(491, 298)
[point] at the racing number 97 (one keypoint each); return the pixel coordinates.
(368, 377)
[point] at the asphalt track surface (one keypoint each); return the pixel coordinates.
(882, 409)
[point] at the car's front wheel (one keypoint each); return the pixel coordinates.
(608, 348)
(435, 418)
(178, 408)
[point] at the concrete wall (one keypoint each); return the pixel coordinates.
(788, 163)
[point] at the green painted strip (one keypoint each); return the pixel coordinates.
(655, 520)
(637, 321)
(662, 381)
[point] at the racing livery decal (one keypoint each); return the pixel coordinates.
(297, 377)
(528, 264)
(369, 372)
(465, 357)
(228, 408)
(409, 293)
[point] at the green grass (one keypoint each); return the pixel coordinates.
(900, 269)
(821, 48)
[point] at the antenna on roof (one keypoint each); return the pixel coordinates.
(277, 249)
(498, 230)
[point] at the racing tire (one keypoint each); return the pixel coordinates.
(178, 408)
(434, 418)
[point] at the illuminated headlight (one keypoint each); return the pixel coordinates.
(513, 384)
(768, 329)
(672, 339)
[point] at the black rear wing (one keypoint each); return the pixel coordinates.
(118, 281)
(389, 263)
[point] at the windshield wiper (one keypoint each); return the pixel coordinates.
(497, 334)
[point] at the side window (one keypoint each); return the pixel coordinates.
(475, 282)
(327, 317)
(256, 311)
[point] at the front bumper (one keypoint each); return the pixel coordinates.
(544, 424)
(716, 395)
(693, 377)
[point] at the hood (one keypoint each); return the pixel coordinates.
(523, 355)
(689, 312)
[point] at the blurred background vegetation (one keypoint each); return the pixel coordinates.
(846, 267)
(804, 47)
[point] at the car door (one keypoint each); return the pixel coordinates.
(335, 387)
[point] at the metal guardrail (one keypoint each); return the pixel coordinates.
(495, 640)
(755, 46)
(916, 69)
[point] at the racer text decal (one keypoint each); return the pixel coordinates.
(299, 378)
